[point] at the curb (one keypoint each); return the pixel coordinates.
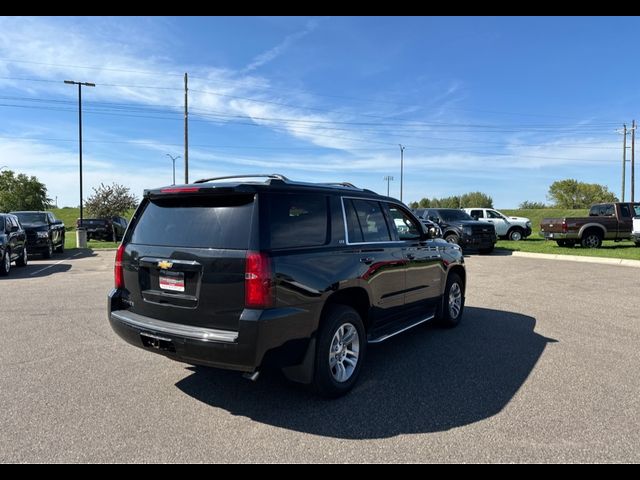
(575, 258)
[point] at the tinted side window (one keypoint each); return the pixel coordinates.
(206, 222)
(298, 220)
(625, 211)
(372, 222)
(492, 214)
(594, 211)
(477, 214)
(354, 230)
(609, 211)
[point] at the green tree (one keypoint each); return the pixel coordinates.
(414, 204)
(476, 199)
(20, 192)
(528, 205)
(571, 193)
(110, 200)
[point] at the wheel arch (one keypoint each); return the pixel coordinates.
(592, 226)
(354, 297)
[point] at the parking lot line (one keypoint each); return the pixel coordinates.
(53, 264)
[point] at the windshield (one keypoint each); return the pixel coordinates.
(454, 215)
(32, 217)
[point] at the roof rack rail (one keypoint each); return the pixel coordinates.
(273, 176)
(347, 185)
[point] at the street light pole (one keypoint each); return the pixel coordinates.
(388, 178)
(173, 159)
(80, 84)
(401, 167)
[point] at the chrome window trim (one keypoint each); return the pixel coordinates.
(346, 229)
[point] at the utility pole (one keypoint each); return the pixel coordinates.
(80, 84)
(388, 178)
(186, 132)
(173, 159)
(401, 167)
(624, 158)
(633, 163)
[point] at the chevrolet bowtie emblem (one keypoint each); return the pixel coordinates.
(165, 264)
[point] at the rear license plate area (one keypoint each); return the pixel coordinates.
(171, 281)
(157, 343)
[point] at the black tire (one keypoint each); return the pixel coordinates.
(5, 264)
(486, 251)
(452, 238)
(49, 251)
(60, 248)
(591, 239)
(24, 258)
(561, 243)
(637, 244)
(515, 234)
(452, 305)
(324, 380)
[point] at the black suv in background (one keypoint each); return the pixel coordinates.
(45, 233)
(244, 272)
(460, 228)
(13, 243)
(110, 229)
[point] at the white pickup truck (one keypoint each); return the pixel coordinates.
(635, 233)
(511, 228)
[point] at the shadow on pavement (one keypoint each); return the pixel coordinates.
(58, 263)
(426, 380)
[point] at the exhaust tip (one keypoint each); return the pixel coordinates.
(253, 376)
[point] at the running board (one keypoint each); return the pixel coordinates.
(387, 336)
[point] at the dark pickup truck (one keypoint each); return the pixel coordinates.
(45, 233)
(606, 221)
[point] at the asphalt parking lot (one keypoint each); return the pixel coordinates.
(545, 367)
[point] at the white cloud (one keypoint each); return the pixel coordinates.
(275, 52)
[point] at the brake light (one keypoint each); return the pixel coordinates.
(257, 281)
(564, 226)
(118, 270)
(179, 189)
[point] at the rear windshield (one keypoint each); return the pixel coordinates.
(199, 222)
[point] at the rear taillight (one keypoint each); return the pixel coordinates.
(564, 226)
(257, 281)
(118, 270)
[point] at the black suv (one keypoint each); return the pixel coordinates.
(460, 228)
(244, 272)
(13, 243)
(45, 233)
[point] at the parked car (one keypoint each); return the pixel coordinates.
(635, 233)
(13, 243)
(507, 227)
(459, 228)
(45, 233)
(606, 221)
(110, 229)
(243, 272)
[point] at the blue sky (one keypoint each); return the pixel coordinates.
(502, 105)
